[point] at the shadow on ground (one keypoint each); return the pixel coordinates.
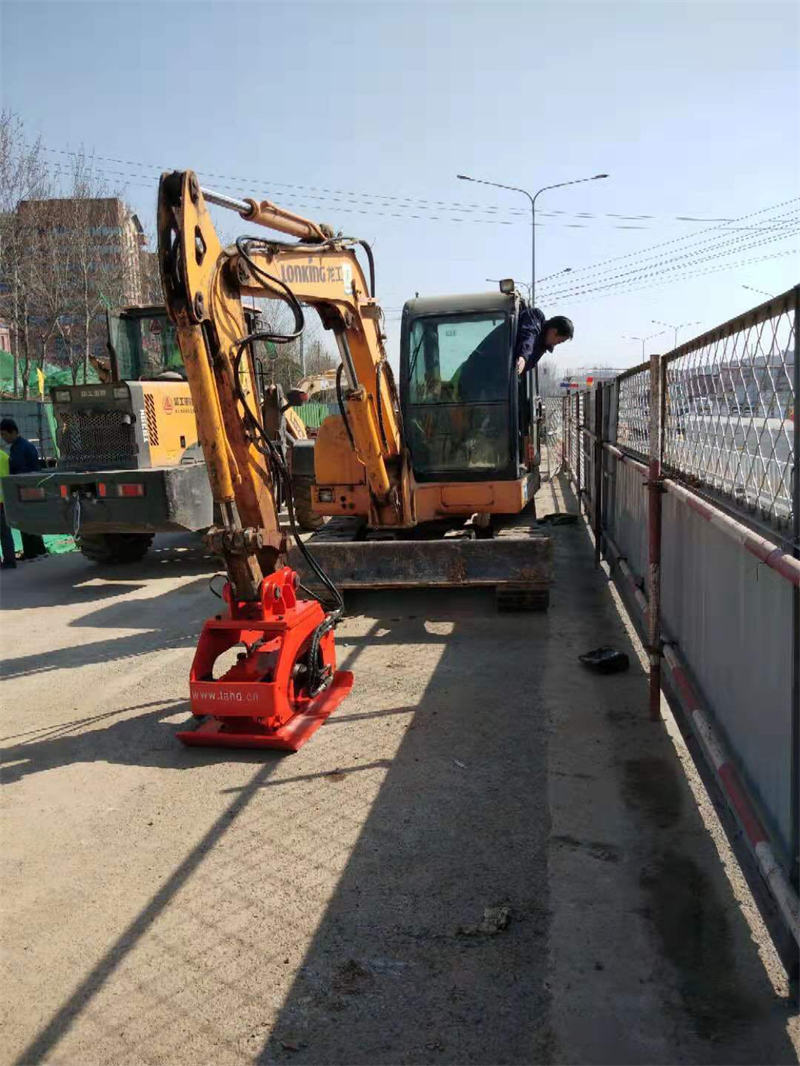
(398, 972)
(407, 964)
(400, 969)
(72, 579)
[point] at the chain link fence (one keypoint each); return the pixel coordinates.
(701, 527)
(633, 416)
(35, 421)
(554, 433)
(730, 410)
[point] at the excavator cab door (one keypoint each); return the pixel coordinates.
(460, 392)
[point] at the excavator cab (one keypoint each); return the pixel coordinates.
(468, 415)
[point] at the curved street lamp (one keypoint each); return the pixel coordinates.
(533, 198)
(672, 326)
(761, 291)
(644, 340)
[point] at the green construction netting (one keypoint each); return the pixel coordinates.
(314, 414)
(53, 375)
(56, 543)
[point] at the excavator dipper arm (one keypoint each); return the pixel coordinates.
(284, 682)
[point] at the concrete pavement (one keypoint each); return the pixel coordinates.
(169, 906)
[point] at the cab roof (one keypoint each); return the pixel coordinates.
(462, 303)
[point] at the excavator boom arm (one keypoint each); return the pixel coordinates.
(204, 284)
(284, 683)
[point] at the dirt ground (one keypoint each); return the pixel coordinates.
(178, 906)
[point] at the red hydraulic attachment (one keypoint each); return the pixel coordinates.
(262, 701)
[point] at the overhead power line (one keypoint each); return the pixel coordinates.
(692, 255)
(676, 275)
(721, 240)
(408, 203)
(592, 267)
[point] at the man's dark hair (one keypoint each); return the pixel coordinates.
(562, 325)
(8, 425)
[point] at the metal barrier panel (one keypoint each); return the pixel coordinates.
(554, 429)
(633, 410)
(570, 431)
(626, 512)
(729, 599)
(732, 619)
(33, 417)
(730, 410)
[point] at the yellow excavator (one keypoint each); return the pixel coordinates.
(451, 452)
(431, 484)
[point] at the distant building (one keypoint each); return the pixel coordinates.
(112, 233)
(596, 373)
(96, 245)
(151, 278)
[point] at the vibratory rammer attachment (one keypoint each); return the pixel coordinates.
(263, 700)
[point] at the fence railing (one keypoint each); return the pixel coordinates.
(35, 421)
(688, 468)
(729, 417)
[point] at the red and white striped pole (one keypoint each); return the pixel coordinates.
(735, 795)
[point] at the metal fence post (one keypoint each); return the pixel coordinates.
(578, 447)
(564, 424)
(655, 489)
(598, 471)
(795, 724)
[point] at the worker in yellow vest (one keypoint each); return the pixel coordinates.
(6, 539)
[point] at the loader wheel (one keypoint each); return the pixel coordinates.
(114, 547)
(306, 516)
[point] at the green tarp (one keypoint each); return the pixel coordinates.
(53, 375)
(56, 543)
(314, 414)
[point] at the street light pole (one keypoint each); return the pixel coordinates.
(533, 198)
(675, 328)
(644, 340)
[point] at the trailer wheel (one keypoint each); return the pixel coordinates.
(114, 547)
(307, 517)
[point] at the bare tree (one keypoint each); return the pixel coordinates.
(63, 261)
(50, 281)
(23, 176)
(318, 358)
(94, 249)
(310, 353)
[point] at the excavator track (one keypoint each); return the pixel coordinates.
(517, 560)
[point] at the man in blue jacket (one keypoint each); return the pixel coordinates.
(537, 335)
(22, 459)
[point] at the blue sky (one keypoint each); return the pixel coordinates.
(690, 107)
